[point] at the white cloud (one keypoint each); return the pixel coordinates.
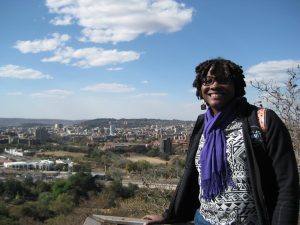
(54, 93)
(270, 70)
(18, 72)
(145, 82)
(56, 4)
(151, 94)
(114, 69)
(90, 57)
(116, 21)
(46, 44)
(16, 93)
(108, 87)
(61, 21)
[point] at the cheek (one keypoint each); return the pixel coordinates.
(203, 90)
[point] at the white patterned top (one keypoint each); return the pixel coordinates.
(235, 206)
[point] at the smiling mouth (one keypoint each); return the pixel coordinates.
(216, 95)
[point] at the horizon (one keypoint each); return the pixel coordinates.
(96, 119)
(135, 59)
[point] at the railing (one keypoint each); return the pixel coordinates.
(109, 220)
(103, 220)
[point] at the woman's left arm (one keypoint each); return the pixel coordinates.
(280, 149)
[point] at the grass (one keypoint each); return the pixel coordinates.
(62, 154)
(152, 160)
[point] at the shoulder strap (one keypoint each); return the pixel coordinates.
(257, 127)
(261, 115)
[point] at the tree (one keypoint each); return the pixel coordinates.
(59, 187)
(13, 188)
(63, 204)
(37, 210)
(284, 99)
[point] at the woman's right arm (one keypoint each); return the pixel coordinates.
(153, 219)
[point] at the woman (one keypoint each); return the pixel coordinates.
(235, 173)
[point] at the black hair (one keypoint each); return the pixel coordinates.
(231, 70)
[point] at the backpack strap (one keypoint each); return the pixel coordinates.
(257, 128)
(261, 115)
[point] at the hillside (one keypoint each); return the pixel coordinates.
(21, 122)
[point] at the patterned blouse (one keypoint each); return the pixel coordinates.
(235, 206)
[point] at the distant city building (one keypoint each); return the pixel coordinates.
(13, 139)
(17, 152)
(112, 130)
(14, 151)
(4, 139)
(41, 134)
(41, 165)
(24, 141)
(166, 145)
(58, 126)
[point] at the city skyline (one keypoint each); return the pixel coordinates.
(81, 60)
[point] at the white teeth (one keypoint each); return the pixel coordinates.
(215, 95)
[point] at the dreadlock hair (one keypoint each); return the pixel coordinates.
(231, 70)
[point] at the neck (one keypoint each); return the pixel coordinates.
(215, 111)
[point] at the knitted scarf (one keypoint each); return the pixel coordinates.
(215, 171)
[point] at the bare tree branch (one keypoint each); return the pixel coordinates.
(284, 99)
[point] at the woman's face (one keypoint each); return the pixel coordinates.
(217, 90)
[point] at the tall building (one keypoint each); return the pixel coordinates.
(41, 134)
(166, 145)
(112, 130)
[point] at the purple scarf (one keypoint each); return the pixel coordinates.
(215, 171)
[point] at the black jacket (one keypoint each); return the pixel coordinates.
(272, 171)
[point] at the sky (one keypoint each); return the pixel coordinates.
(88, 59)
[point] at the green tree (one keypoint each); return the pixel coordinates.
(58, 187)
(7, 221)
(79, 184)
(12, 188)
(41, 186)
(116, 191)
(138, 167)
(37, 210)
(115, 174)
(153, 152)
(63, 204)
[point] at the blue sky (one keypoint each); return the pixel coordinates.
(87, 59)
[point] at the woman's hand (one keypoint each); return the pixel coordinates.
(153, 219)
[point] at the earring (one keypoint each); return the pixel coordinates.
(203, 104)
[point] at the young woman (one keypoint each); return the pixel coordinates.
(235, 173)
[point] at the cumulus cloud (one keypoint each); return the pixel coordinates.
(90, 57)
(46, 44)
(61, 21)
(270, 70)
(117, 21)
(144, 82)
(18, 72)
(54, 93)
(109, 87)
